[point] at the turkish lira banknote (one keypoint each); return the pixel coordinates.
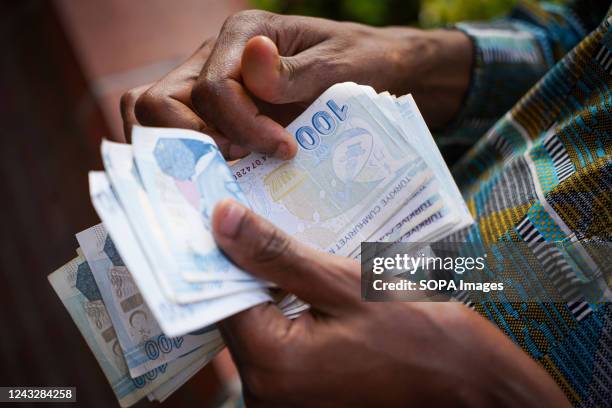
(352, 173)
(174, 318)
(185, 175)
(123, 173)
(77, 289)
(142, 341)
(149, 283)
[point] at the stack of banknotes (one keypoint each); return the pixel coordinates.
(149, 283)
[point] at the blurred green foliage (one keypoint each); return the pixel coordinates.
(426, 13)
(440, 12)
(373, 12)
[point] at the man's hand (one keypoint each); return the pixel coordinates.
(346, 352)
(263, 69)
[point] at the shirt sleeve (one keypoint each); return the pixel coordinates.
(510, 55)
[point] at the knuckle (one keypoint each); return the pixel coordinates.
(205, 92)
(247, 23)
(272, 245)
(248, 16)
(208, 43)
(207, 86)
(149, 106)
(127, 100)
(204, 96)
(275, 92)
(291, 67)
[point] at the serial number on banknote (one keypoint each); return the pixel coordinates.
(246, 168)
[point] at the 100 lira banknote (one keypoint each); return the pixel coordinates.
(351, 174)
(79, 293)
(142, 341)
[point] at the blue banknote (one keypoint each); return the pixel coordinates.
(76, 288)
(185, 176)
(174, 318)
(159, 245)
(142, 341)
(353, 171)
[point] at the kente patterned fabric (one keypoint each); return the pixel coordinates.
(538, 124)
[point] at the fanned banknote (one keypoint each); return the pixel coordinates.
(184, 176)
(75, 286)
(174, 318)
(144, 345)
(129, 190)
(149, 283)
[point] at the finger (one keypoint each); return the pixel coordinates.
(329, 283)
(220, 98)
(226, 104)
(254, 332)
(167, 103)
(276, 79)
(127, 103)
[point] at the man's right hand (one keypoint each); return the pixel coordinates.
(345, 352)
(264, 69)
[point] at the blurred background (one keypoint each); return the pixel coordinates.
(63, 67)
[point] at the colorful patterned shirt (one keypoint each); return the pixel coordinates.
(542, 172)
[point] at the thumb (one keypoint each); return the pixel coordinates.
(327, 282)
(276, 79)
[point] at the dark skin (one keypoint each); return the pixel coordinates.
(242, 88)
(269, 68)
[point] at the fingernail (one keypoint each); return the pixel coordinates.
(232, 217)
(283, 151)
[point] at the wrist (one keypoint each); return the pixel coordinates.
(438, 72)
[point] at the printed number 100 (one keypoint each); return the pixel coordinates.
(323, 124)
